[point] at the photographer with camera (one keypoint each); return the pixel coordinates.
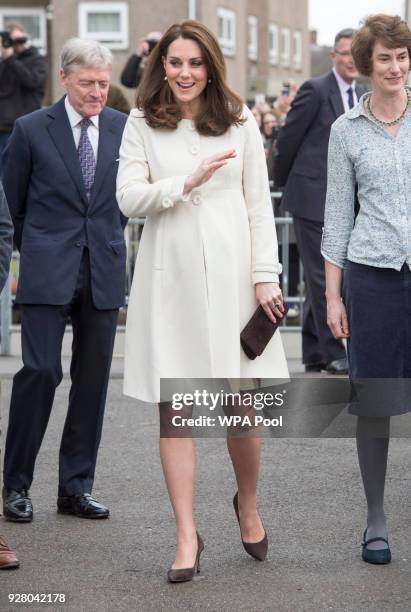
(133, 70)
(23, 77)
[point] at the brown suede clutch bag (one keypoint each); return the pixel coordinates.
(258, 332)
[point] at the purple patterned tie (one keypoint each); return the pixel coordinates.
(86, 157)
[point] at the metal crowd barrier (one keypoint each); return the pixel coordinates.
(134, 227)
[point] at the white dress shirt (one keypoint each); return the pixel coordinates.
(75, 119)
(344, 87)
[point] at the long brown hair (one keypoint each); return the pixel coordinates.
(221, 106)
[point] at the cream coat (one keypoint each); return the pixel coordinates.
(199, 256)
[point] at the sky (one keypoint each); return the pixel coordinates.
(330, 16)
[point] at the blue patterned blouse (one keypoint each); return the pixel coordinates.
(361, 152)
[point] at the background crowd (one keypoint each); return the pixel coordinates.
(23, 84)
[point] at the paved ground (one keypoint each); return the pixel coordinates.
(311, 501)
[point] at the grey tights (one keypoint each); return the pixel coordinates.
(372, 446)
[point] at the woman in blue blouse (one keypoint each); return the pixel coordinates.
(370, 152)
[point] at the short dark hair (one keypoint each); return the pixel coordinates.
(346, 33)
(390, 30)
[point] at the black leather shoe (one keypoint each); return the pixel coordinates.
(17, 506)
(338, 366)
(83, 506)
(315, 367)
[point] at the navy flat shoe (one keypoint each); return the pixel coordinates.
(378, 557)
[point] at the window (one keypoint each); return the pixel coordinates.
(106, 22)
(273, 44)
(285, 47)
(32, 20)
(252, 37)
(298, 51)
(226, 30)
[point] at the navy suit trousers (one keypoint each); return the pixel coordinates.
(42, 329)
(319, 345)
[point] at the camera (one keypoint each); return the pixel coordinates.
(286, 89)
(151, 44)
(7, 41)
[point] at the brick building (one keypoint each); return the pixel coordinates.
(265, 41)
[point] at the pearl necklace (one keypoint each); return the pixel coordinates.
(395, 121)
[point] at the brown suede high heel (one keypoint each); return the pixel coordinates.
(187, 573)
(258, 550)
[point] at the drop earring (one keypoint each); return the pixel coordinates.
(165, 78)
(209, 80)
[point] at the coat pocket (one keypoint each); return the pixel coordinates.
(118, 246)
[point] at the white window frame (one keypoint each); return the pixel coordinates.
(285, 47)
(298, 50)
(252, 22)
(227, 43)
(39, 43)
(273, 54)
(113, 40)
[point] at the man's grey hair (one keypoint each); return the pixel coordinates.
(83, 52)
(346, 33)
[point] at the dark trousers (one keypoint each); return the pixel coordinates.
(4, 137)
(42, 331)
(319, 345)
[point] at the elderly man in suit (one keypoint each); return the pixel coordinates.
(8, 559)
(60, 171)
(301, 166)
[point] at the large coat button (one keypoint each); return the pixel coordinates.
(197, 199)
(167, 202)
(194, 149)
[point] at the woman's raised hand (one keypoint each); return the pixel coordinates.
(206, 169)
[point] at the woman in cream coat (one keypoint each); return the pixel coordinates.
(192, 162)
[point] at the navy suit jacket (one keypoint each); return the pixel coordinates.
(52, 217)
(6, 239)
(301, 160)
